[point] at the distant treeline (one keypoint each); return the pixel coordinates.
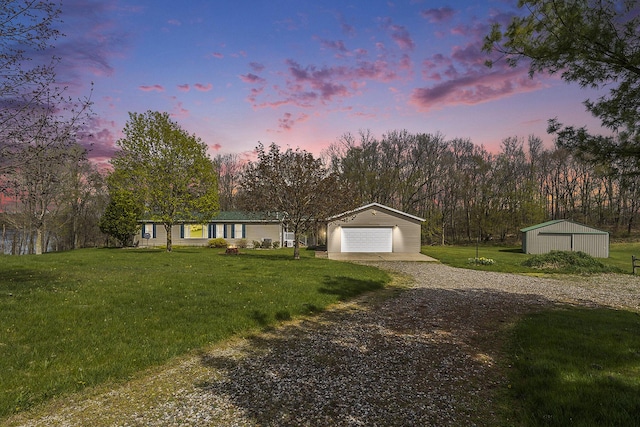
(467, 193)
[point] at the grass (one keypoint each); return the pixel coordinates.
(574, 366)
(510, 259)
(83, 318)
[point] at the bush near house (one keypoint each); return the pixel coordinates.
(218, 242)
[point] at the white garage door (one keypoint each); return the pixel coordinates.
(357, 239)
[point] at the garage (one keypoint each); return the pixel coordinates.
(369, 239)
(374, 228)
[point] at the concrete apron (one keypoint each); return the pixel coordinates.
(379, 256)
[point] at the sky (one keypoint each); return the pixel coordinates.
(303, 73)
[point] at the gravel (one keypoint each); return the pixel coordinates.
(426, 356)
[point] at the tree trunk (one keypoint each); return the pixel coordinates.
(296, 246)
(39, 241)
(168, 228)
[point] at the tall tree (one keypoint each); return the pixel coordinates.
(29, 93)
(229, 170)
(120, 217)
(166, 170)
(293, 183)
(595, 43)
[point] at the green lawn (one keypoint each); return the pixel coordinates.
(509, 258)
(76, 319)
(574, 366)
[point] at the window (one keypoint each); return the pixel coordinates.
(238, 231)
(194, 231)
(219, 230)
(149, 229)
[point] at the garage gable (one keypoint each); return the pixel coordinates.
(374, 228)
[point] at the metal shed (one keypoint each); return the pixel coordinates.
(565, 235)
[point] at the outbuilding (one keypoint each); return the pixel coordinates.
(565, 235)
(374, 228)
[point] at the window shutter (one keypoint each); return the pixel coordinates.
(225, 230)
(244, 231)
(144, 226)
(210, 231)
(182, 231)
(153, 231)
(215, 230)
(233, 231)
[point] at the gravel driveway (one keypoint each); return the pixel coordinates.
(425, 357)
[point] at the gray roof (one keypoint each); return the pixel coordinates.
(375, 205)
(557, 221)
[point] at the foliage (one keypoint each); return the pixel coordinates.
(294, 183)
(218, 242)
(167, 170)
(509, 259)
(481, 261)
(241, 243)
(76, 319)
(55, 188)
(120, 218)
(574, 366)
(276, 245)
(592, 43)
(567, 261)
(33, 110)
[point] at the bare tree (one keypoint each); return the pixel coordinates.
(30, 98)
(229, 169)
(293, 183)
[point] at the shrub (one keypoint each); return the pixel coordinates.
(574, 262)
(266, 244)
(218, 242)
(242, 243)
(481, 261)
(276, 245)
(256, 244)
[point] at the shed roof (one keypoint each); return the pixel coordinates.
(557, 221)
(375, 205)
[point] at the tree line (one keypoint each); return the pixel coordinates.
(53, 198)
(466, 192)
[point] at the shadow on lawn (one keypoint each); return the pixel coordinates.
(16, 281)
(348, 287)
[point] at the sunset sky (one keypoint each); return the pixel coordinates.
(302, 73)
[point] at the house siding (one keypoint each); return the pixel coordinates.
(565, 235)
(255, 231)
(405, 234)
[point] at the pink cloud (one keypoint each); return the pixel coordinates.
(157, 88)
(217, 55)
(184, 87)
(216, 147)
(256, 66)
(337, 45)
(473, 88)
(287, 121)
(251, 78)
(442, 14)
(99, 137)
(178, 109)
(174, 22)
(399, 34)
(202, 87)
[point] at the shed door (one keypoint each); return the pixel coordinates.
(360, 239)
